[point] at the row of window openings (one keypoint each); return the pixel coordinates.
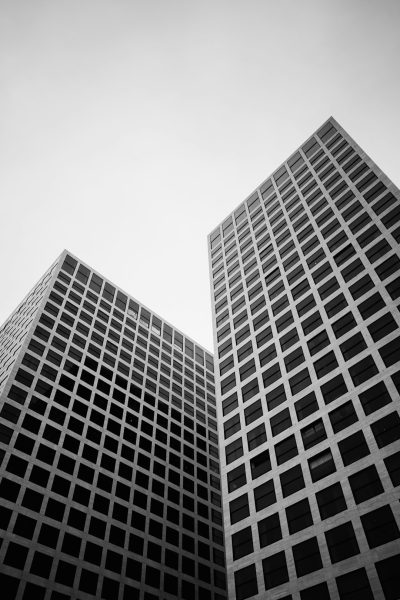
(366, 308)
(118, 419)
(341, 541)
(121, 301)
(364, 484)
(61, 345)
(94, 554)
(324, 365)
(375, 253)
(359, 223)
(9, 489)
(268, 194)
(127, 340)
(76, 423)
(91, 583)
(282, 181)
(351, 448)
(329, 184)
(79, 411)
(307, 559)
(340, 418)
(352, 346)
(70, 367)
(120, 512)
(365, 239)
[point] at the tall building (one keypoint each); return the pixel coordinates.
(306, 285)
(110, 483)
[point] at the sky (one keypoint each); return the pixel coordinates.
(129, 129)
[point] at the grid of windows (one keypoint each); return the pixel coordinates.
(110, 466)
(305, 277)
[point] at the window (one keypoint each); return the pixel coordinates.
(354, 586)
(388, 267)
(353, 346)
(306, 406)
(361, 287)
(267, 355)
(286, 450)
(246, 582)
(343, 325)
(288, 339)
(299, 516)
(342, 542)
(331, 501)
(382, 327)
(253, 412)
(307, 557)
(234, 451)
(387, 429)
(229, 404)
(300, 289)
(250, 390)
(294, 359)
(321, 465)
(353, 448)
(271, 375)
(242, 543)
(392, 464)
(365, 484)
(363, 370)
(231, 426)
(280, 422)
(316, 592)
(269, 530)
(389, 576)
(236, 478)
(256, 437)
(390, 352)
(380, 526)
(264, 495)
(323, 271)
(374, 398)
(371, 306)
(239, 509)
(318, 342)
(276, 397)
(305, 305)
(311, 323)
(335, 305)
(343, 417)
(292, 480)
(300, 381)
(313, 434)
(325, 364)
(260, 464)
(275, 570)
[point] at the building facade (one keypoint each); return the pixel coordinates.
(110, 484)
(305, 286)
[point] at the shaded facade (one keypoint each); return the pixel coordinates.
(305, 286)
(110, 483)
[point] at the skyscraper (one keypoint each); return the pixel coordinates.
(110, 483)
(306, 285)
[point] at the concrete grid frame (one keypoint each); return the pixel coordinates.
(305, 284)
(110, 484)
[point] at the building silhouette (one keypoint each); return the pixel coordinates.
(305, 288)
(110, 484)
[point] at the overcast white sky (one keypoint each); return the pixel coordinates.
(129, 129)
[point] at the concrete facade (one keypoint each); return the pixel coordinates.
(110, 484)
(305, 290)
